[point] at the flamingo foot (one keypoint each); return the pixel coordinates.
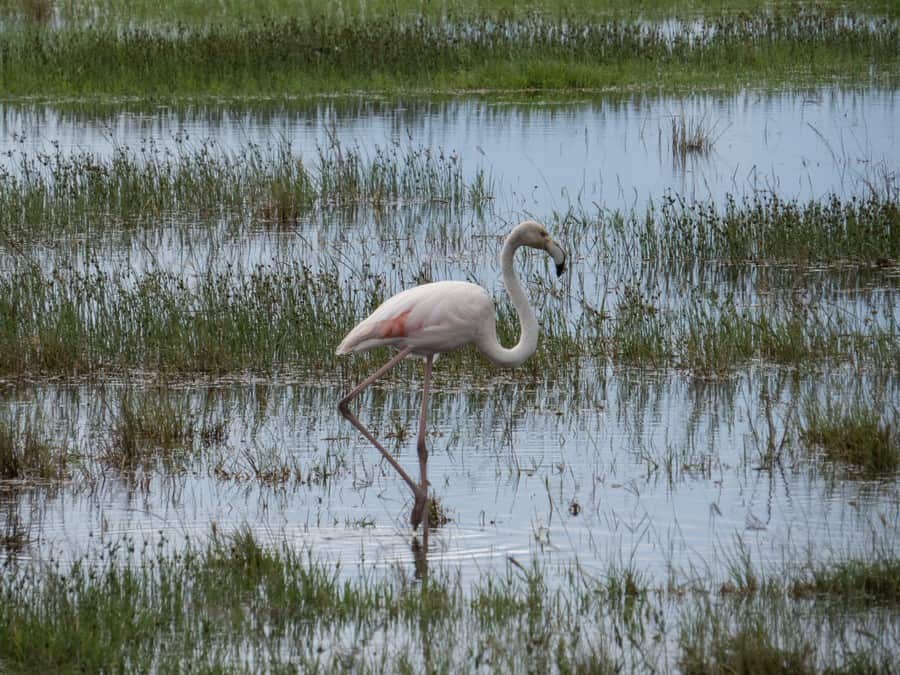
(418, 511)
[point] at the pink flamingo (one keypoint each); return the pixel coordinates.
(439, 317)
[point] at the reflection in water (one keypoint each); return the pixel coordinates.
(666, 471)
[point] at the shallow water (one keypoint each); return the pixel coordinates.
(604, 466)
(661, 471)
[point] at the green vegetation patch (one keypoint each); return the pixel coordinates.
(749, 648)
(234, 11)
(285, 316)
(328, 54)
(25, 455)
(147, 427)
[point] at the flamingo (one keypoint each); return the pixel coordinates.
(439, 317)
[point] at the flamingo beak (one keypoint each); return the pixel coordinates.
(558, 255)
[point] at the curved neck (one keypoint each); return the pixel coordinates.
(527, 344)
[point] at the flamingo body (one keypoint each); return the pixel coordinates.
(430, 319)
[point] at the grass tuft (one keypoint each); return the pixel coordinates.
(691, 137)
(857, 436)
(156, 425)
(48, 195)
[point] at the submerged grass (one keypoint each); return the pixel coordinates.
(325, 53)
(752, 647)
(285, 316)
(151, 426)
(692, 136)
(862, 582)
(94, 322)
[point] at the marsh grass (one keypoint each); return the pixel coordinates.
(96, 322)
(234, 602)
(863, 581)
(438, 515)
(14, 538)
(332, 52)
(188, 11)
(857, 436)
(37, 11)
(764, 227)
(712, 335)
(273, 467)
(193, 11)
(751, 647)
(146, 427)
(45, 195)
(285, 317)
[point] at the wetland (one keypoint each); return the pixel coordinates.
(696, 472)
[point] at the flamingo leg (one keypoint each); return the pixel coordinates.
(421, 503)
(344, 407)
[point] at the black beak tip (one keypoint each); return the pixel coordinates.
(560, 269)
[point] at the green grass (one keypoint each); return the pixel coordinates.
(324, 54)
(857, 436)
(691, 137)
(288, 317)
(758, 623)
(148, 426)
(750, 648)
(711, 335)
(284, 317)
